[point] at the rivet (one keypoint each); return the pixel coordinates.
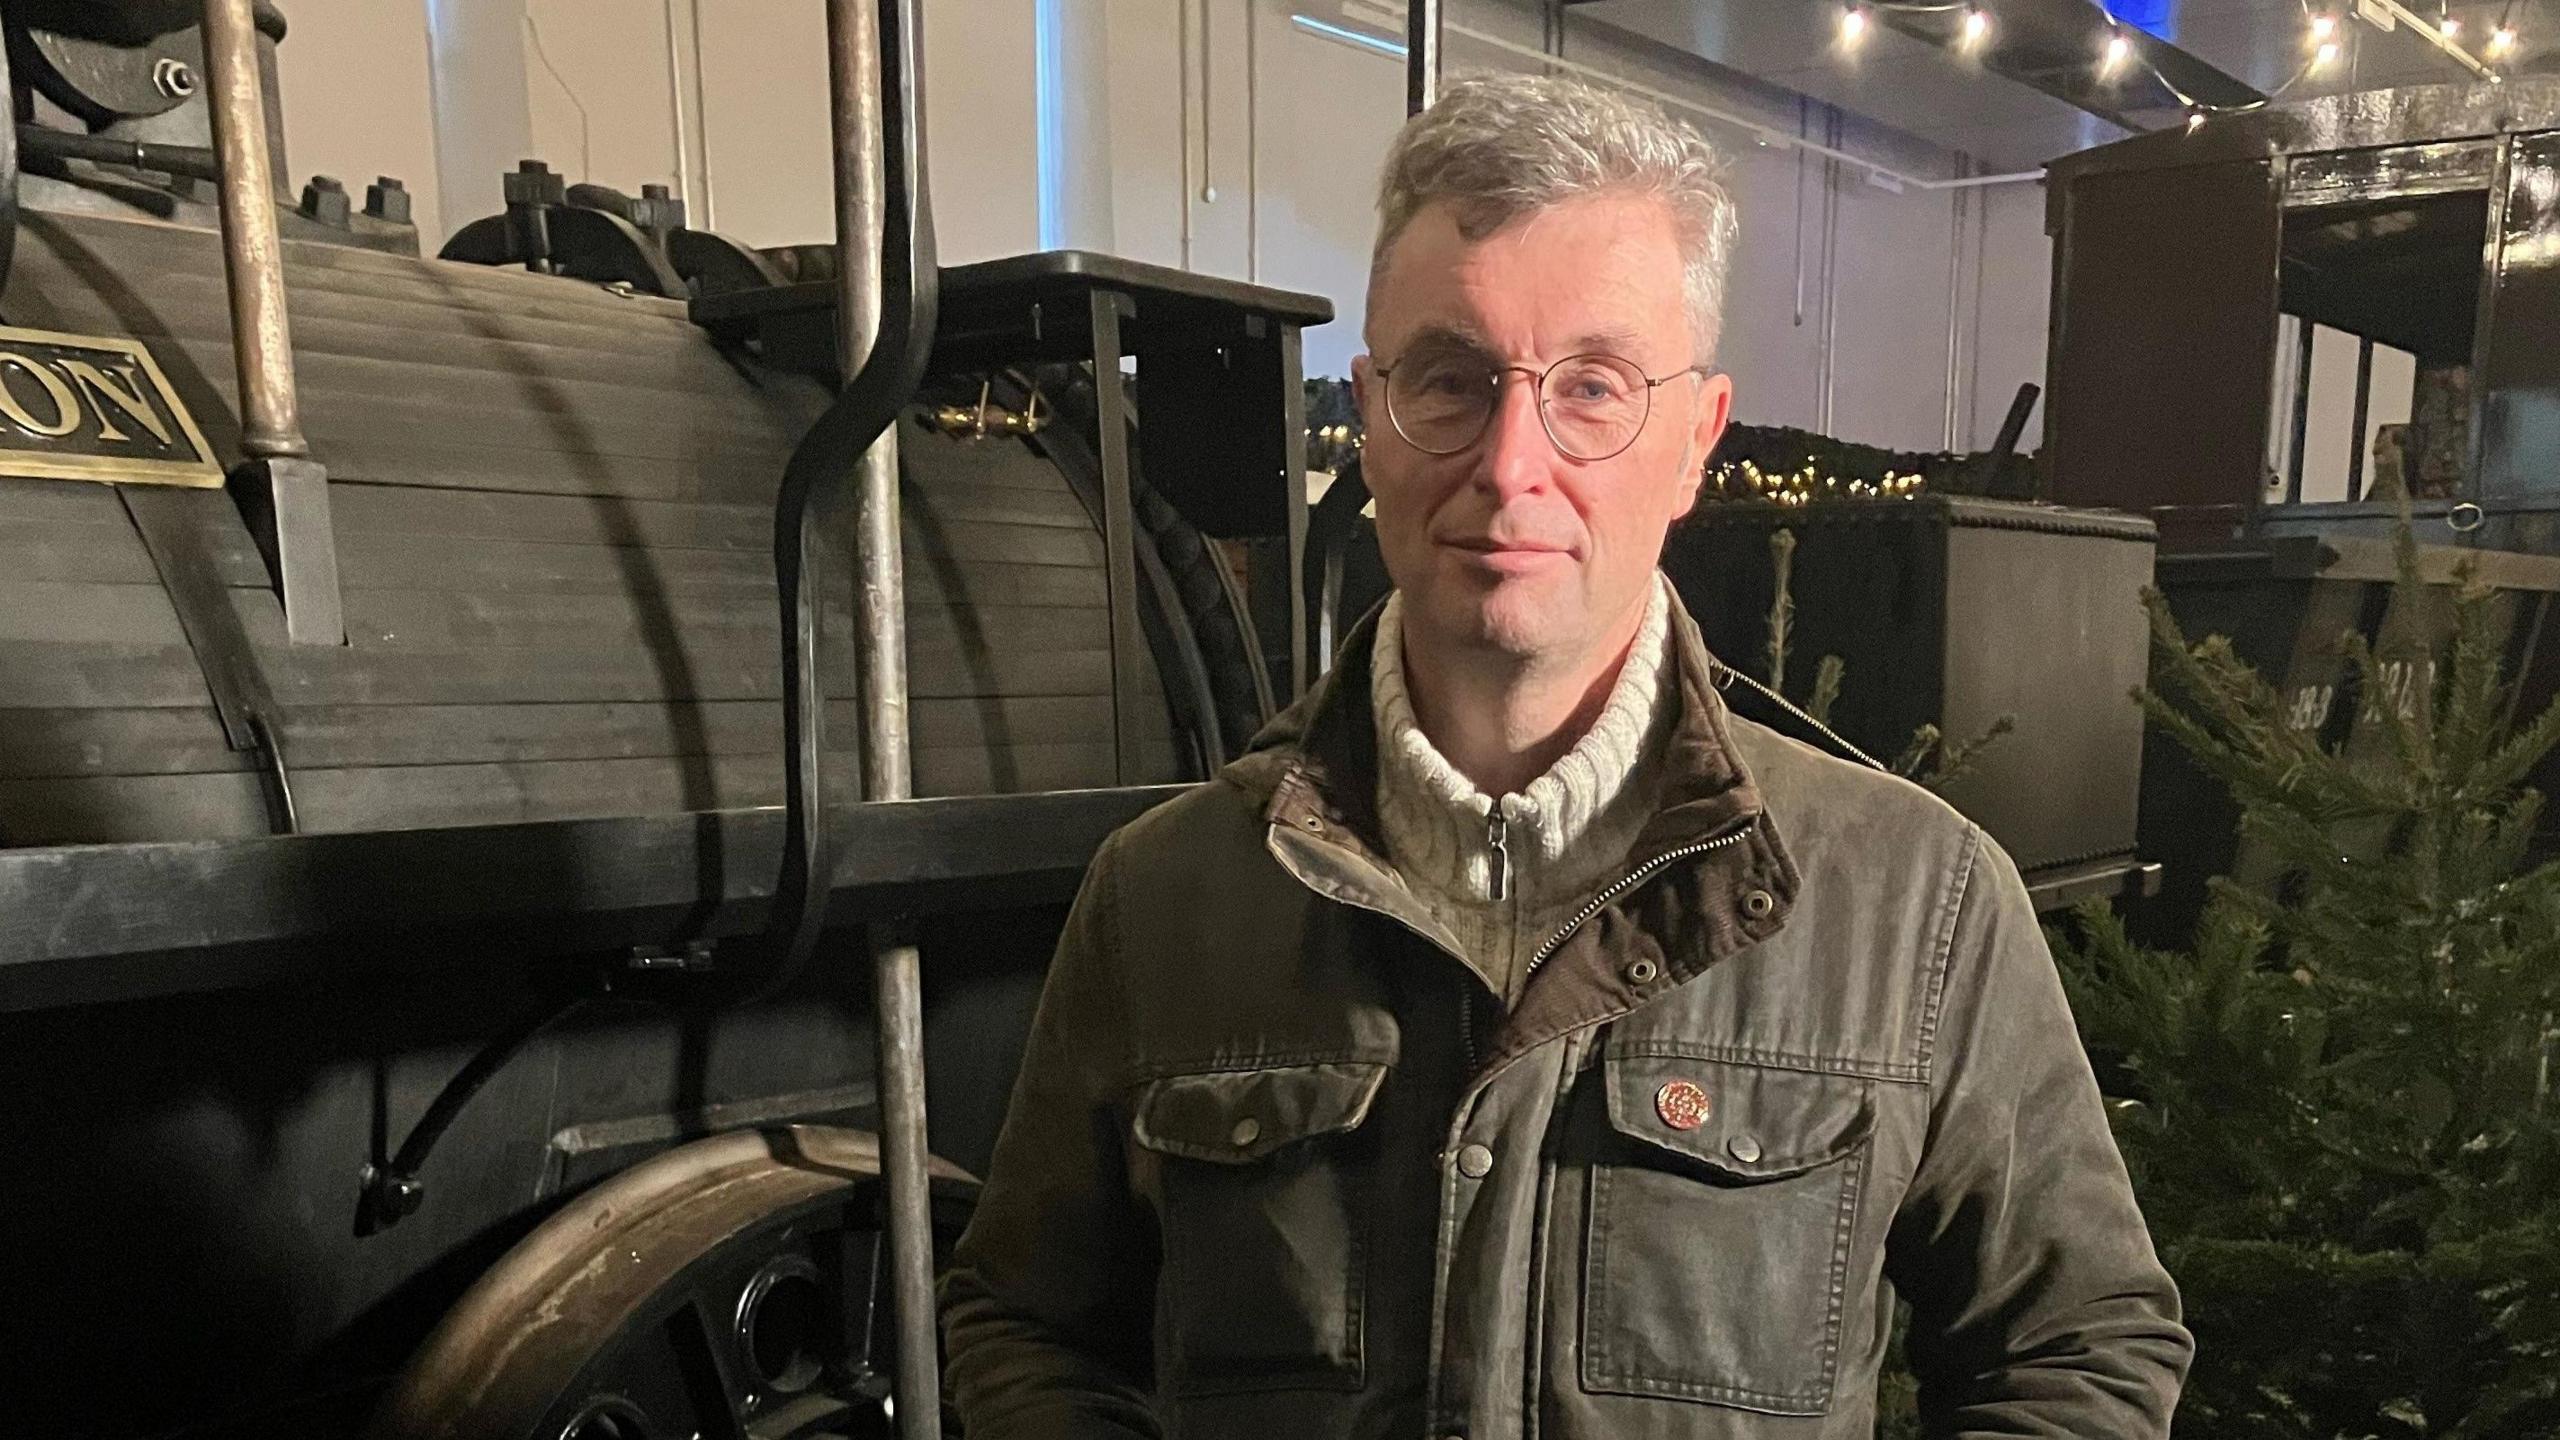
(1759, 904)
(1312, 823)
(1682, 1105)
(1744, 1148)
(1475, 1162)
(1642, 972)
(1246, 1132)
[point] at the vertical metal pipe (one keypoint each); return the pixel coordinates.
(675, 111)
(702, 119)
(1955, 312)
(854, 49)
(1421, 55)
(1182, 58)
(1208, 108)
(853, 54)
(253, 259)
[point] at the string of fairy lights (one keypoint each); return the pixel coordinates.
(2324, 40)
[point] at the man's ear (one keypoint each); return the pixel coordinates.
(1714, 408)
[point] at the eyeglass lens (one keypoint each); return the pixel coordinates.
(1441, 400)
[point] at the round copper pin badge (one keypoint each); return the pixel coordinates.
(1682, 1105)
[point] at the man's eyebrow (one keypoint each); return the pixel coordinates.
(1443, 335)
(1606, 342)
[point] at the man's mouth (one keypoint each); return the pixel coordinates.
(1487, 546)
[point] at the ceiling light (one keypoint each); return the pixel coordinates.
(2449, 27)
(2502, 39)
(2119, 50)
(1977, 24)
(1853, 24)
(2323, 26)
(2327, 53)
(2195, 118)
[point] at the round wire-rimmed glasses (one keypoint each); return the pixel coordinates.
(1592, 406)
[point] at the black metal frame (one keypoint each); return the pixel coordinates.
(86, 924)
(1207, 351)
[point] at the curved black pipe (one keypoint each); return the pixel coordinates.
(818, 468)
(1331, 525)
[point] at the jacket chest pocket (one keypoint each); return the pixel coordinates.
(1722, 1211)
(1262, 1212)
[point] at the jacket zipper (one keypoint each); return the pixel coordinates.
(1497, 838)
(1598, 903)
(1634, 878)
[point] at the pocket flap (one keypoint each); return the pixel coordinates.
(1752, 1122)
(1235, 1116)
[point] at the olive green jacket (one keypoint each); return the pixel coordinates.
(1279, 1165)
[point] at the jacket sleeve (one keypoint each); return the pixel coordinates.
(2038, 1306)
(1047, 1306)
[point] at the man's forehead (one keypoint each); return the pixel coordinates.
(1596, 273)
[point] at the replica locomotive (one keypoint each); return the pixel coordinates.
(432, 893)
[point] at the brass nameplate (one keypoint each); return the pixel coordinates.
(86, 407)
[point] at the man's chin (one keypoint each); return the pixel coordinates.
(1509, 622)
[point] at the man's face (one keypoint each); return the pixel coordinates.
(1509, 545)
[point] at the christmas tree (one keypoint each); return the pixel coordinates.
(2337, 1103)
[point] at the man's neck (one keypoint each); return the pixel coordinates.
(1502, 722)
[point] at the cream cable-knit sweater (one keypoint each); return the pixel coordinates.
(1566, 834)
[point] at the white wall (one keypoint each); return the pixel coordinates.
(1280, 138)
(358, 99)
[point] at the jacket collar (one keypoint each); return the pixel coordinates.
(1316, 767)
(1318, 760)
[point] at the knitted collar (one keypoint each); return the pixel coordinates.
(1566, 826)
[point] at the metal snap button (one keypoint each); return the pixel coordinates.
(1642, 972)
(1744, 1148)
(1682, 1105)
(1246, 1132)
(1759, 904)
(1475, 1162)
(1312, 823)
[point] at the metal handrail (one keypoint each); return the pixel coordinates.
(283, 493)
(885, 333)
(252, 255)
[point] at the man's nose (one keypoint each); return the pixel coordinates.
(1516, 457)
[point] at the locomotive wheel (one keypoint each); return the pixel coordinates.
(723, 1288)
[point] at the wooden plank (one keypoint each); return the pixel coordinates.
(75, 612)
(124, 808)
(39, 675)
(386, 402)
(361, 508)
(452, 462)
(111, 554)
(49, 744)
(93, 247)
(457, 333)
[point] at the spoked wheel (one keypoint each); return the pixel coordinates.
(733, 1287)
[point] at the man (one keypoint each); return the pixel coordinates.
(1518, 1042)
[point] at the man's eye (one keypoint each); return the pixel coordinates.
(1591, 383)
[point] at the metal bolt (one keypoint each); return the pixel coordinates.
(325, 200)
(173, 78)
(387, 199)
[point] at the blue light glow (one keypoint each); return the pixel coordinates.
(1049, 102)
(2153, 17)
(1348, 36)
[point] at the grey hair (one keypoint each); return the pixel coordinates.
(1499, 147)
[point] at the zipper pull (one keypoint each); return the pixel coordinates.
(1497, 837)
